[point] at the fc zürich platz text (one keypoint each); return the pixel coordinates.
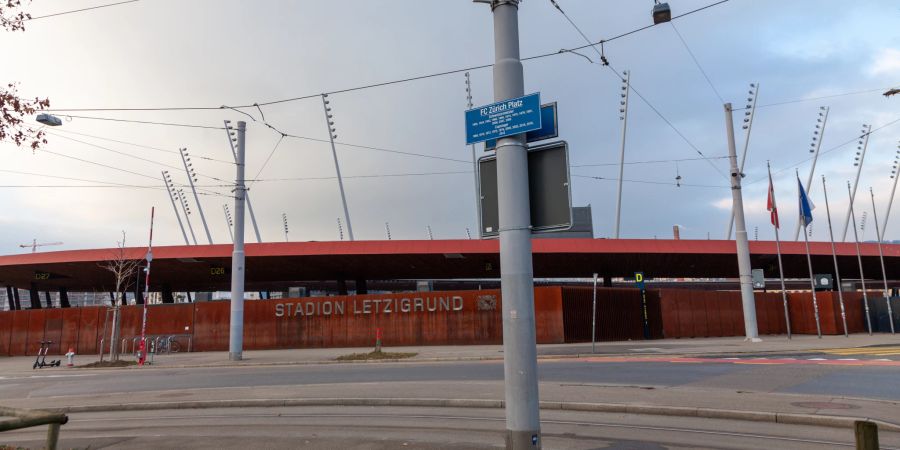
(370, 306)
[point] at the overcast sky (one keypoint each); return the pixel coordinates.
(167, 53)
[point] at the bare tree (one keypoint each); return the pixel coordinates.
(14, 109)
(123, 269)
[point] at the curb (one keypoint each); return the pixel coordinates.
(621, 408)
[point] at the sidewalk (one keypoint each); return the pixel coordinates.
(671, 347)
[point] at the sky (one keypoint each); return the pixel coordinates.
(203, 53)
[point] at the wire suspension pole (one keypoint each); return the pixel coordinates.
(623, 111)
(337, 166)
(860, 158)
(190, 176)
(743, 245)
(818, 136)
(236, 330)
(887, 294)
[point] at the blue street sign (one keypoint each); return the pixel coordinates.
(503, 119)
(549, 128)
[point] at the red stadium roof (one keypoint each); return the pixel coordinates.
(188, 267)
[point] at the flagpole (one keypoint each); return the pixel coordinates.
(812, 281)
(837, 272)
(787, 315)
(862, 277)
(887, 296)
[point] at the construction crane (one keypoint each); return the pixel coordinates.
(34, 245)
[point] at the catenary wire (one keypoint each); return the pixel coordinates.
(697, 63)
(655, 161)
(824, 152)
(381, 84)
(663, 183)
(147, 122)
(631, 86)
(148, 147)
(61, 13)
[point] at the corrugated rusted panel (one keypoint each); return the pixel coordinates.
(89, 329)
(6, 319)
(715, 326)
(654, 314)
(211, 325)
(71, 322)
(53, 324)
(36, 319)
(856, 316)
(18, 341)
(620, 313)
(802, 313)
(669, 313)
(548, 315)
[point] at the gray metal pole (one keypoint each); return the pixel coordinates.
(337, 166)
(787, 315)
(743, 244)
(187, 214)
(861, 157)
(594, 319)
(246, 193)
(236, 331)
(523, 425)
(895, 174)
(820, 134)
(887, 295)
(474, 164)
(862, 276)
(177, 216)
(190, 176)
(624, 117)
(837, 272)
(749, 127)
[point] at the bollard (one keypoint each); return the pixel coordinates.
(378, 339)
(71, 357)
(866, 435)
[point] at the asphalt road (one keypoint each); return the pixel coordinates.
(837, 380)
(420, 428)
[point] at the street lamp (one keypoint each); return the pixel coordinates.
(661, 13)
(49, 120)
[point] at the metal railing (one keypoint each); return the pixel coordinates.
(26, 418)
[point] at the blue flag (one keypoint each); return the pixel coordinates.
(806, 206)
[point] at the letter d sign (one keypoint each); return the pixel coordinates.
(639, 277)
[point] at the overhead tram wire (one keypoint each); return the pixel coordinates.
(836, 147)
(62, 13)
(386, 175)
(146, 122)
(655, 161)
(661, 183)
(593, 46)
(697, 63)
(811, 99)
(107, 166)
(59, 177)
(134, 156)
(381, 84)
(148, 147)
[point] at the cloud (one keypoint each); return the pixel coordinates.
(885, 62)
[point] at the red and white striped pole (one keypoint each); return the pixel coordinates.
(143, 347)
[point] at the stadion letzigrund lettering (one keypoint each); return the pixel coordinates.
(370, 306)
